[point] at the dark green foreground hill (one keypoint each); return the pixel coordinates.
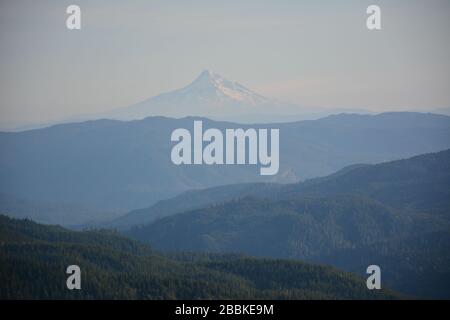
(34, 257)
(394, 214)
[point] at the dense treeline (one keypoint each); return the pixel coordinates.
(394, 214)
(33, 261)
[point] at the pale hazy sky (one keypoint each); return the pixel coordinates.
(313, 53)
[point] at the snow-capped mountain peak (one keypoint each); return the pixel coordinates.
(212, 85)
(209, 95)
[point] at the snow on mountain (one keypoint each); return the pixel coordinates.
(213, 96)
(209, 95)
(209, 85)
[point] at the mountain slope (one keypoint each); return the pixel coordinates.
(209, 95)
(295, 228)
(394, 214)
(33, 259)
(189, 200)
(421, 183)
(112, 165)
(418, 264)
(418, 183)
(347, 232)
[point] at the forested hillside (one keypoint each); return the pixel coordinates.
(395, 214)
(420, 183)
(33, 260)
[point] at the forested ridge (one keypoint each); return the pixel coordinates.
(34, 258)
(394, 214)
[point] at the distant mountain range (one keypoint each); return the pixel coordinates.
(394, 214)
(209, 95)
(113, 166)
(419, 183)
(34, 258)
(213, 96)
